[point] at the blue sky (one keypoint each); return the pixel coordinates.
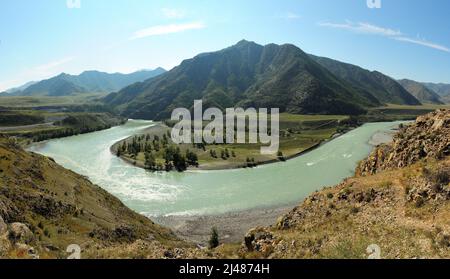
(42, 38)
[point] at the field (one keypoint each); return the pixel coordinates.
(33, 102)
(397, 112)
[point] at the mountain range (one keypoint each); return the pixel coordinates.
(252, 75)
(442, 89)
(421, 92)
(86, 82)
(247, 75)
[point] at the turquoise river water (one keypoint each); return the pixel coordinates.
(209, 192)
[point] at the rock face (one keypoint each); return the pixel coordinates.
(428, 137)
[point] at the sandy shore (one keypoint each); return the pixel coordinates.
(232, 227)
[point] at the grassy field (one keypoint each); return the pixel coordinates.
(297, 134)
(30, 102)
(397, 112)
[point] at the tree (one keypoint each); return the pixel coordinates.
(150, 161)
(213, 153)
(214, 239)
(192, 158)
(222, 154)
(281, 156)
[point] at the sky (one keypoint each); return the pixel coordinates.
(43, 38)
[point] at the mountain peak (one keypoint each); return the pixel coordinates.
(245, 43)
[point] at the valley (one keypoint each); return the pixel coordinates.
(88, 159)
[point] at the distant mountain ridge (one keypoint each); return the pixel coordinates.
(442, 89)
(86, 82)
(20, 88)
(421, 92)
(248, 74)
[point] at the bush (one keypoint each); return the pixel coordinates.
(214, 239)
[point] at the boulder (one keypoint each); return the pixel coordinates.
(20, 233)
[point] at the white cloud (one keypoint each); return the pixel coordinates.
(166, 29)
(423, 43)
(361, 27)
(367, 28)
(173, 13)
(292, 16)
(52, 65)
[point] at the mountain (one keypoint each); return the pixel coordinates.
(55, 87)
(20, 88)
(246, 74)
(86, 82)
(384, 88)
(421, 92)
(441, 89)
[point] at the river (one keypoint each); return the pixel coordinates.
(209, 192)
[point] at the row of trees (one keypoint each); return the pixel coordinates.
(143, 143)
(173, 159)
(225, 154)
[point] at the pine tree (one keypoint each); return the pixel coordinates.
(214, 239)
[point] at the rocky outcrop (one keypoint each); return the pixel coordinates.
(20, 233)
(399, 202)
(427, 137)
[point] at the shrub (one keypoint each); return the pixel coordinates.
(214, 239)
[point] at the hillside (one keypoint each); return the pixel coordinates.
(246, 74)
(44, 208)
(402, 208)
(86, 82)
(421, 92)
(441, 89)
(384, 88)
